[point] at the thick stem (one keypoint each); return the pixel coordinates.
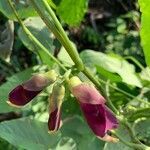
(54, 25)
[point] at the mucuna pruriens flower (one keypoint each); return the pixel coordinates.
(98, 116)
(56, 99)
(25, 92)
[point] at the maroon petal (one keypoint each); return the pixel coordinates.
(99, 118)
(54, 120)
(87, 94)
(25, 92)
(56, 100)
(21, 96)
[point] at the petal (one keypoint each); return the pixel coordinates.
(111, 120)
(99, 118)
(56, 100)
(25, 92)
(21, 96)
(88, 94)
(54, 120)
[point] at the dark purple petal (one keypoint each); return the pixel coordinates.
(54, 120)
(99, 118)
(25, 92)
(87, 94)
(20, 96)
(56, 100)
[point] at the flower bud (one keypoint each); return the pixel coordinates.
(26, 91)
(56, 100)
(98, 116)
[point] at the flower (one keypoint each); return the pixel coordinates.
(56, 99)
(25, 92)
(98, 116)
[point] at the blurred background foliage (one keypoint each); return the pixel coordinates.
(106, 26)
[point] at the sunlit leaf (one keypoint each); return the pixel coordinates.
(112, 64)
(145, 32)
(72, 11)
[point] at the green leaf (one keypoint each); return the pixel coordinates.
(23, 7)
(113, 64)
(40, 31)
(142, 130)
(28, 134)
(72, 11)
(139, 113)
(66, 143)
(145, 74)
(108, 75)
(9, 85)
(145, 32)
(65, 58)
(78, 130)
(115, 146)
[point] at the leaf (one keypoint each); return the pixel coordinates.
(145, 74)
(65, 58)
(108, 75)
(145, 32)
(24, 9)
(72, 11)
(142, 130)
(119, 145)
(66, 143)
(78, 130)
(40, 31)
(139, 113)
(28, 134)
(7, 40)
(9, 85)
(113, 64)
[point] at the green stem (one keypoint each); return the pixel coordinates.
(108, 99)
(131, 145)
(54, 25)
(135, 61)
(32, 38)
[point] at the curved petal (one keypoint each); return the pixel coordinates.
(87, 94)
(99, 118)
(54, 120)
(56, 100)
(21, 96)
(25, 92)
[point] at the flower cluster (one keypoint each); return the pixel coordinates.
(98, 116)
(24, 93)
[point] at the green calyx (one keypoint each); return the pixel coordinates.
(74, 81)
(51, 76)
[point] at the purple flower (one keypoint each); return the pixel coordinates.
(24, 93)
(56, 99)
(98, 116)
